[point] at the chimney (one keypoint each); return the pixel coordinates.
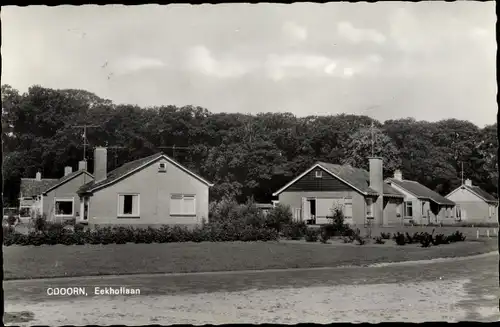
(100, 163)
(468, 182)
(67, 170)
(377, 184)
(82, 165)
(38, 176)
(398, 175)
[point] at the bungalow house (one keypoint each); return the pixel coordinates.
(362, 196)
(155, 190)
(56, 198)
(474, 204)
(421, 204)
(30, 195)
(60, 202)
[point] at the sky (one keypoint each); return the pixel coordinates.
(388, 60)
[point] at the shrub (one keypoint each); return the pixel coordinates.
(295, 230)
(456, 237)
(324, 236)
(40, 222)
(385, 236)
(360, 240)
(279, 217)
(311, 235)
(400, 239)
(379, 240)
(427, 240)
(337, 225)
(12, 220)
(79, 227)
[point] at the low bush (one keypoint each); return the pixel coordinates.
(400, 238)
(294, 230)
(279, 217)
(12, 220)
(379, 240)
(311, 235)
(39, 222)
(324, 236)
(385, 236)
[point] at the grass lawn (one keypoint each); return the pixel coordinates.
(26, 262)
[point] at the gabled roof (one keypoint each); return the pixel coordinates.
(357, 178)
(131, 167)
(32, 187)
(66, 178)
(420, 191)
(478, 192)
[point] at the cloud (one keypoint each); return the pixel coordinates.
(357, 35)
(280, 66)
(200, 60)
(295, 31)
(134, 64)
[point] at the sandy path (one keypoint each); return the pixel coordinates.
(410, 302)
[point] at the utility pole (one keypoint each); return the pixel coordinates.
(462, 173)
(173, 147)
(85, 137)
(373, 141)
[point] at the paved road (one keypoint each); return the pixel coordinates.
(450, 291)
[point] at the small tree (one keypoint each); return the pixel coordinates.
(278, 217)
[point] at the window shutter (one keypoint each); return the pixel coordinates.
(121, 204)
(135, 205)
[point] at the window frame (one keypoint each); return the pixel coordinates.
(406, 209)
(318, 174)
(369, 204)
(162, 169)
(64, 199)
(132, 215)
(182, 214)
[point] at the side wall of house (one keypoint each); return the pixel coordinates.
(155, 189)
(473, 208)
(391, 217)
(66, 191)
(416, 206)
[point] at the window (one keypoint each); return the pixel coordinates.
(128, 205)
(423, 209)
(369, 207)
(491, 209)
(181, 204)
(408, 209)
(458, 213)
(348, 208)
(64, 207)
(319, 173)
(162, 167)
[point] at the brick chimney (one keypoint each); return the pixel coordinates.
(100, 163)
(67, 170)
(82, 165)
(398, 175)
(38, 176)
(468, 182)
(377, 184)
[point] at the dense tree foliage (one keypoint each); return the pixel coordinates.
(244, 155)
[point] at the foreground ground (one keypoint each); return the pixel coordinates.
(25, 262)
(462, 289)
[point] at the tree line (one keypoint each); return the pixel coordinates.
(244, 155)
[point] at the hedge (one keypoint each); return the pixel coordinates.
(122, 235)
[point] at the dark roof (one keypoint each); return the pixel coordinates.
(33, 187)
(66, 178)
(421, 191)
(482, 193)
(123, 170)
(359, 178)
